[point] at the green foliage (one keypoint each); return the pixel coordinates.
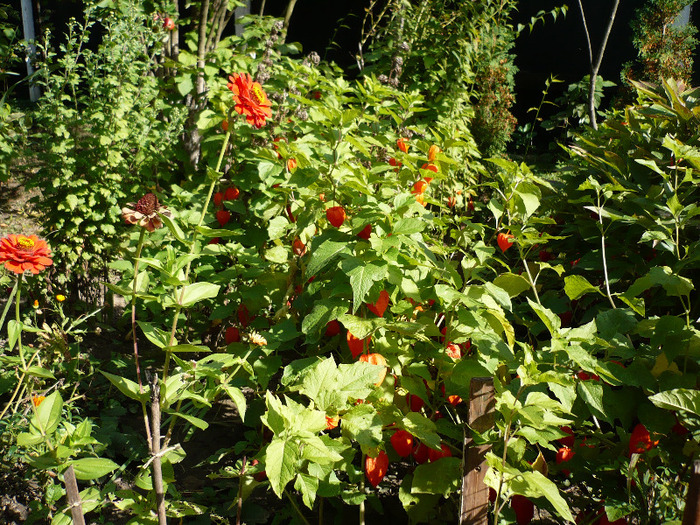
(665, 48)
(470, 75)
(317, 339)
(103, 133)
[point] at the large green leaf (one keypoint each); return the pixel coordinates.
(576, 286)
(678, 399)
(48, 414)
(193, 293)
(126, 387)
(362, 278)
(281, 458)
(324, 254)
(439, 477)
(93, 468)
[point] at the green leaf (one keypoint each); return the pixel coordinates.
(549, 318)
(14, 329)
(193, 420)
(355, 381)
(592, 393)
(363, 424)
(324, 254)
(37, 371)
(422, 428)
(362, 277)
(324, 311)
(678, 399)
(174, 228)
(277, 254)
(193, 293)
(187, 348)
(537, 485)
(48, 414)
(93, 468)
(360, 327)
(28, 439)
(439, 477)
(155, 335)
(673, 284)
(126, 387)
(281, 458)
(320, 384)
(576, 286)
(72, 201)
(409, 226)
(238, 398)
(277, 227)
(308, 486)
(512, 283)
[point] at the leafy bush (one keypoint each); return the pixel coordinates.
(103, 132)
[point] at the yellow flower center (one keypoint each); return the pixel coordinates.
(258, 94)
(25, 243)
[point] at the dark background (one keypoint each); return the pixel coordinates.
(332, 29)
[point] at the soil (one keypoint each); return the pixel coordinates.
(16, 212)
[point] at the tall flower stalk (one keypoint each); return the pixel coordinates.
(21, 253)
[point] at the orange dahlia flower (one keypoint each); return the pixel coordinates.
(20, 253)
(250, 99)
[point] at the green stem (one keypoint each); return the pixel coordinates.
(296, 508)
(178, 306)
(20, 349)
(7, 306)
(19, 385)
(605, 259)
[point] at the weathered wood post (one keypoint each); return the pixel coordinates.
(475, 494)
(73, 496)
(691, 514)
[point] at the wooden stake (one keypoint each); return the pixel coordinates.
(155, 451)
(76, 509)
(475, 494)
(691, 515)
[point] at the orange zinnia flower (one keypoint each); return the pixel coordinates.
(250, 99)
(20, 253)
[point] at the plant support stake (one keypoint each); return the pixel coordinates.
(475, 493)
(28, 28)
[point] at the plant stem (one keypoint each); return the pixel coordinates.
(7, 306)
(17, 388)
(139, 248)
(605, 260)
(178, 306)
(296, 508)
(20, 349)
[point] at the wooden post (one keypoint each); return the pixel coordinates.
(156, 452)
(73, 495)
(475, 494)
(691, 515)
(28, 28)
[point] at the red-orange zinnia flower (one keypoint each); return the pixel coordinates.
(20, 253)
(250, 99)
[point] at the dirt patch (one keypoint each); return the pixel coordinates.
(16, 213)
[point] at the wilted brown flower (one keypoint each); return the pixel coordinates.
(146, 212)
